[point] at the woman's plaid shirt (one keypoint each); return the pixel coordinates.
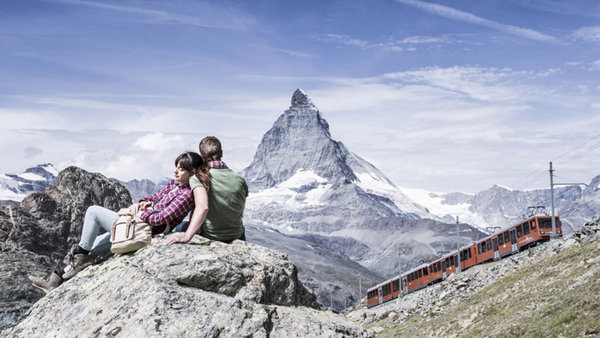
(171, 204)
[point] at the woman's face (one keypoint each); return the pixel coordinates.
(182, 175)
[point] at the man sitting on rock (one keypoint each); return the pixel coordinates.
(220, 207)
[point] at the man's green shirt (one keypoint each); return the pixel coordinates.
(226, 199)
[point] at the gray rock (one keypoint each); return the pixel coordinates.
(201, 288)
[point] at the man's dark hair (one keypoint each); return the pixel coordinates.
(210, 148)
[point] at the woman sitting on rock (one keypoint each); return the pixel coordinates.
(166, 207)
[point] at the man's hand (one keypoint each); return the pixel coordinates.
(174, 239)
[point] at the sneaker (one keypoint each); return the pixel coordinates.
(77, 263)
(48, 283)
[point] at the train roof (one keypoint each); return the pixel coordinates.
(515, 224)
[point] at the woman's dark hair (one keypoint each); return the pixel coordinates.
(195, 164)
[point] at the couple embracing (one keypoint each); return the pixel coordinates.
(203, 184)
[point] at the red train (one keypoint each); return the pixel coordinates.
(534, 230)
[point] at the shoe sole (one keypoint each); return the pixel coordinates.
(66, 276)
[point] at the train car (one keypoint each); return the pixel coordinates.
(383, 292)
(513, 239)
(467, 257)
(415, 279)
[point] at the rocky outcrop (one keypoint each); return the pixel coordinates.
(588, 232)
(200, 289)
(64, 204)
(35, 236)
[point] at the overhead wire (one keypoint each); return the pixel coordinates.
(498, 198)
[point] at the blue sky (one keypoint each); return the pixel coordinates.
(440, 95)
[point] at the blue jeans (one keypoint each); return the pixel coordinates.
(96, 217)
(182, 227)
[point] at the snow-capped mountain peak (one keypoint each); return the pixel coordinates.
(14, 187)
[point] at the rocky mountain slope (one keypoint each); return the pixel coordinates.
(203, 288)
(548, 291)
(141, 188)
(35, 236)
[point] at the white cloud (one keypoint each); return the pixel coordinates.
(594, 65)
(454, 14)
(212, 16)
(294, 53)
(596, 105)
(588, 34)
(425, 39)
(158, 142)
(486, 84)
(341, 39)
(577, 63)
(546, 73)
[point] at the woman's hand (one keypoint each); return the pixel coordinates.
(134, 208)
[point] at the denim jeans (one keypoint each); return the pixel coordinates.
(182, 227)
(96, 217)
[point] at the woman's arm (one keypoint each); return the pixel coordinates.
(200, 211)
(173, 213)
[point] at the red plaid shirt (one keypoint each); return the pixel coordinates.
(171, 204)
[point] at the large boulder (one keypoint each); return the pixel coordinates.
(200, 289)
(35, 236)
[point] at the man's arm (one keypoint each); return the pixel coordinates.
(200, 211)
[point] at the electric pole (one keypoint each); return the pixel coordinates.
(457, 245)
(553, 236)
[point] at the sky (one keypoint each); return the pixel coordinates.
(438, 95)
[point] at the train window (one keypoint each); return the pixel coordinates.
(532, 224)
(519, 231)
(469, 254)
(396, 285)
(479, 248)
(420, 275)
(462, 255)
(526, 228)
(425, 272)
(489, 244)
(447, 262)
(439, 264)
(483, 247)
(431, 269)
(506, 237)
(500, 239)
(451, 260)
